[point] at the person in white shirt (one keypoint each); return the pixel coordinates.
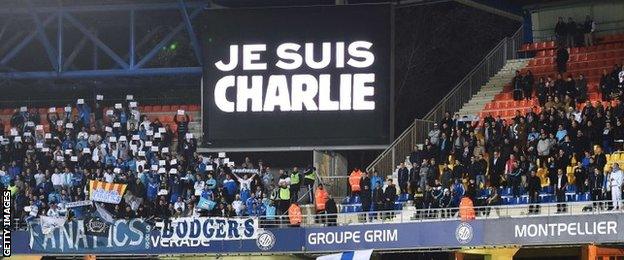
(109, 176)
(53, 211)
(57, 180)
(245, 182)
(238, 205)
(615, 181)
(179, 205)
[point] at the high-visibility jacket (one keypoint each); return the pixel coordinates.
(294, 214)
(284, 194)
(354, 180)
(466, 209)
(294, 178)
(320, 198)
(310, 175)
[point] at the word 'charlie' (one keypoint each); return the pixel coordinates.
(297, 91)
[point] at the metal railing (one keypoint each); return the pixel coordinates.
(426, 215)
(505, 50)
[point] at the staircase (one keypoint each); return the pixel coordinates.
(486, 80)
(494, 86)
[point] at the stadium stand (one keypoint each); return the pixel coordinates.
(500, 151)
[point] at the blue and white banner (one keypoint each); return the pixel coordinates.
(242, 235)
(123, 236)
(349, 255)
(193, 232)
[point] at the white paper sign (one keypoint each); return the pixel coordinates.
(39, 127)
(141, 153)
(135, 137)
(99, 97)
(86, 150)
(157, 135)
(133, 104)
(39, 145)
(226, 160)
(165, 149)
(173, 161)
(74, 158)
(108, 129)
(154, 149)
(69, 125)
(148, 143)
(162, 162)
(222, 155)
(162, 130)
(52, 110)
(129, 97)
(17, 139)
(14, 132)
(59, 123)
(117, 124)
(68, 151)
(180, 112)
(154, 167)
(48, 136)
(116, 170)
(109, 112)
(189, 135)
(68, 109)
(45, 149)
(209, 168)
(30, 123)
(23, 109)
(118, 106)
(173, 171)
(80, 101)
(27, 134)
(149, 132)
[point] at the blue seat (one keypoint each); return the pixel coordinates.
(547, 190)
(354, 200)
(403, 197)
(571, 197)
(506, 192)
(398, 206)
(584, 197)
(571, 188)
(345, 201)
(357, 208)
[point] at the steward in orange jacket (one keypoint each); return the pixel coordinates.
(466, 209)
(354, 181)
(320, 198)
(294, 214)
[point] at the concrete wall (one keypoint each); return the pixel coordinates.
(609, 16)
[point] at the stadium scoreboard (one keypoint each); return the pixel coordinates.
(318, 76)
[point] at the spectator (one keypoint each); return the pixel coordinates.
(331, 210)
(589, 27)
(389, 195)
(562, 60)
(561, 31)
(403, 176)
(561, 184)
(528, 82)
(366, 192)
(572, 31)
(616, 182)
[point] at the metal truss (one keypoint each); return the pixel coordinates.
(62, 65)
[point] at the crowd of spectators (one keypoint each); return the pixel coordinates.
(557, 147)
(165, 176)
